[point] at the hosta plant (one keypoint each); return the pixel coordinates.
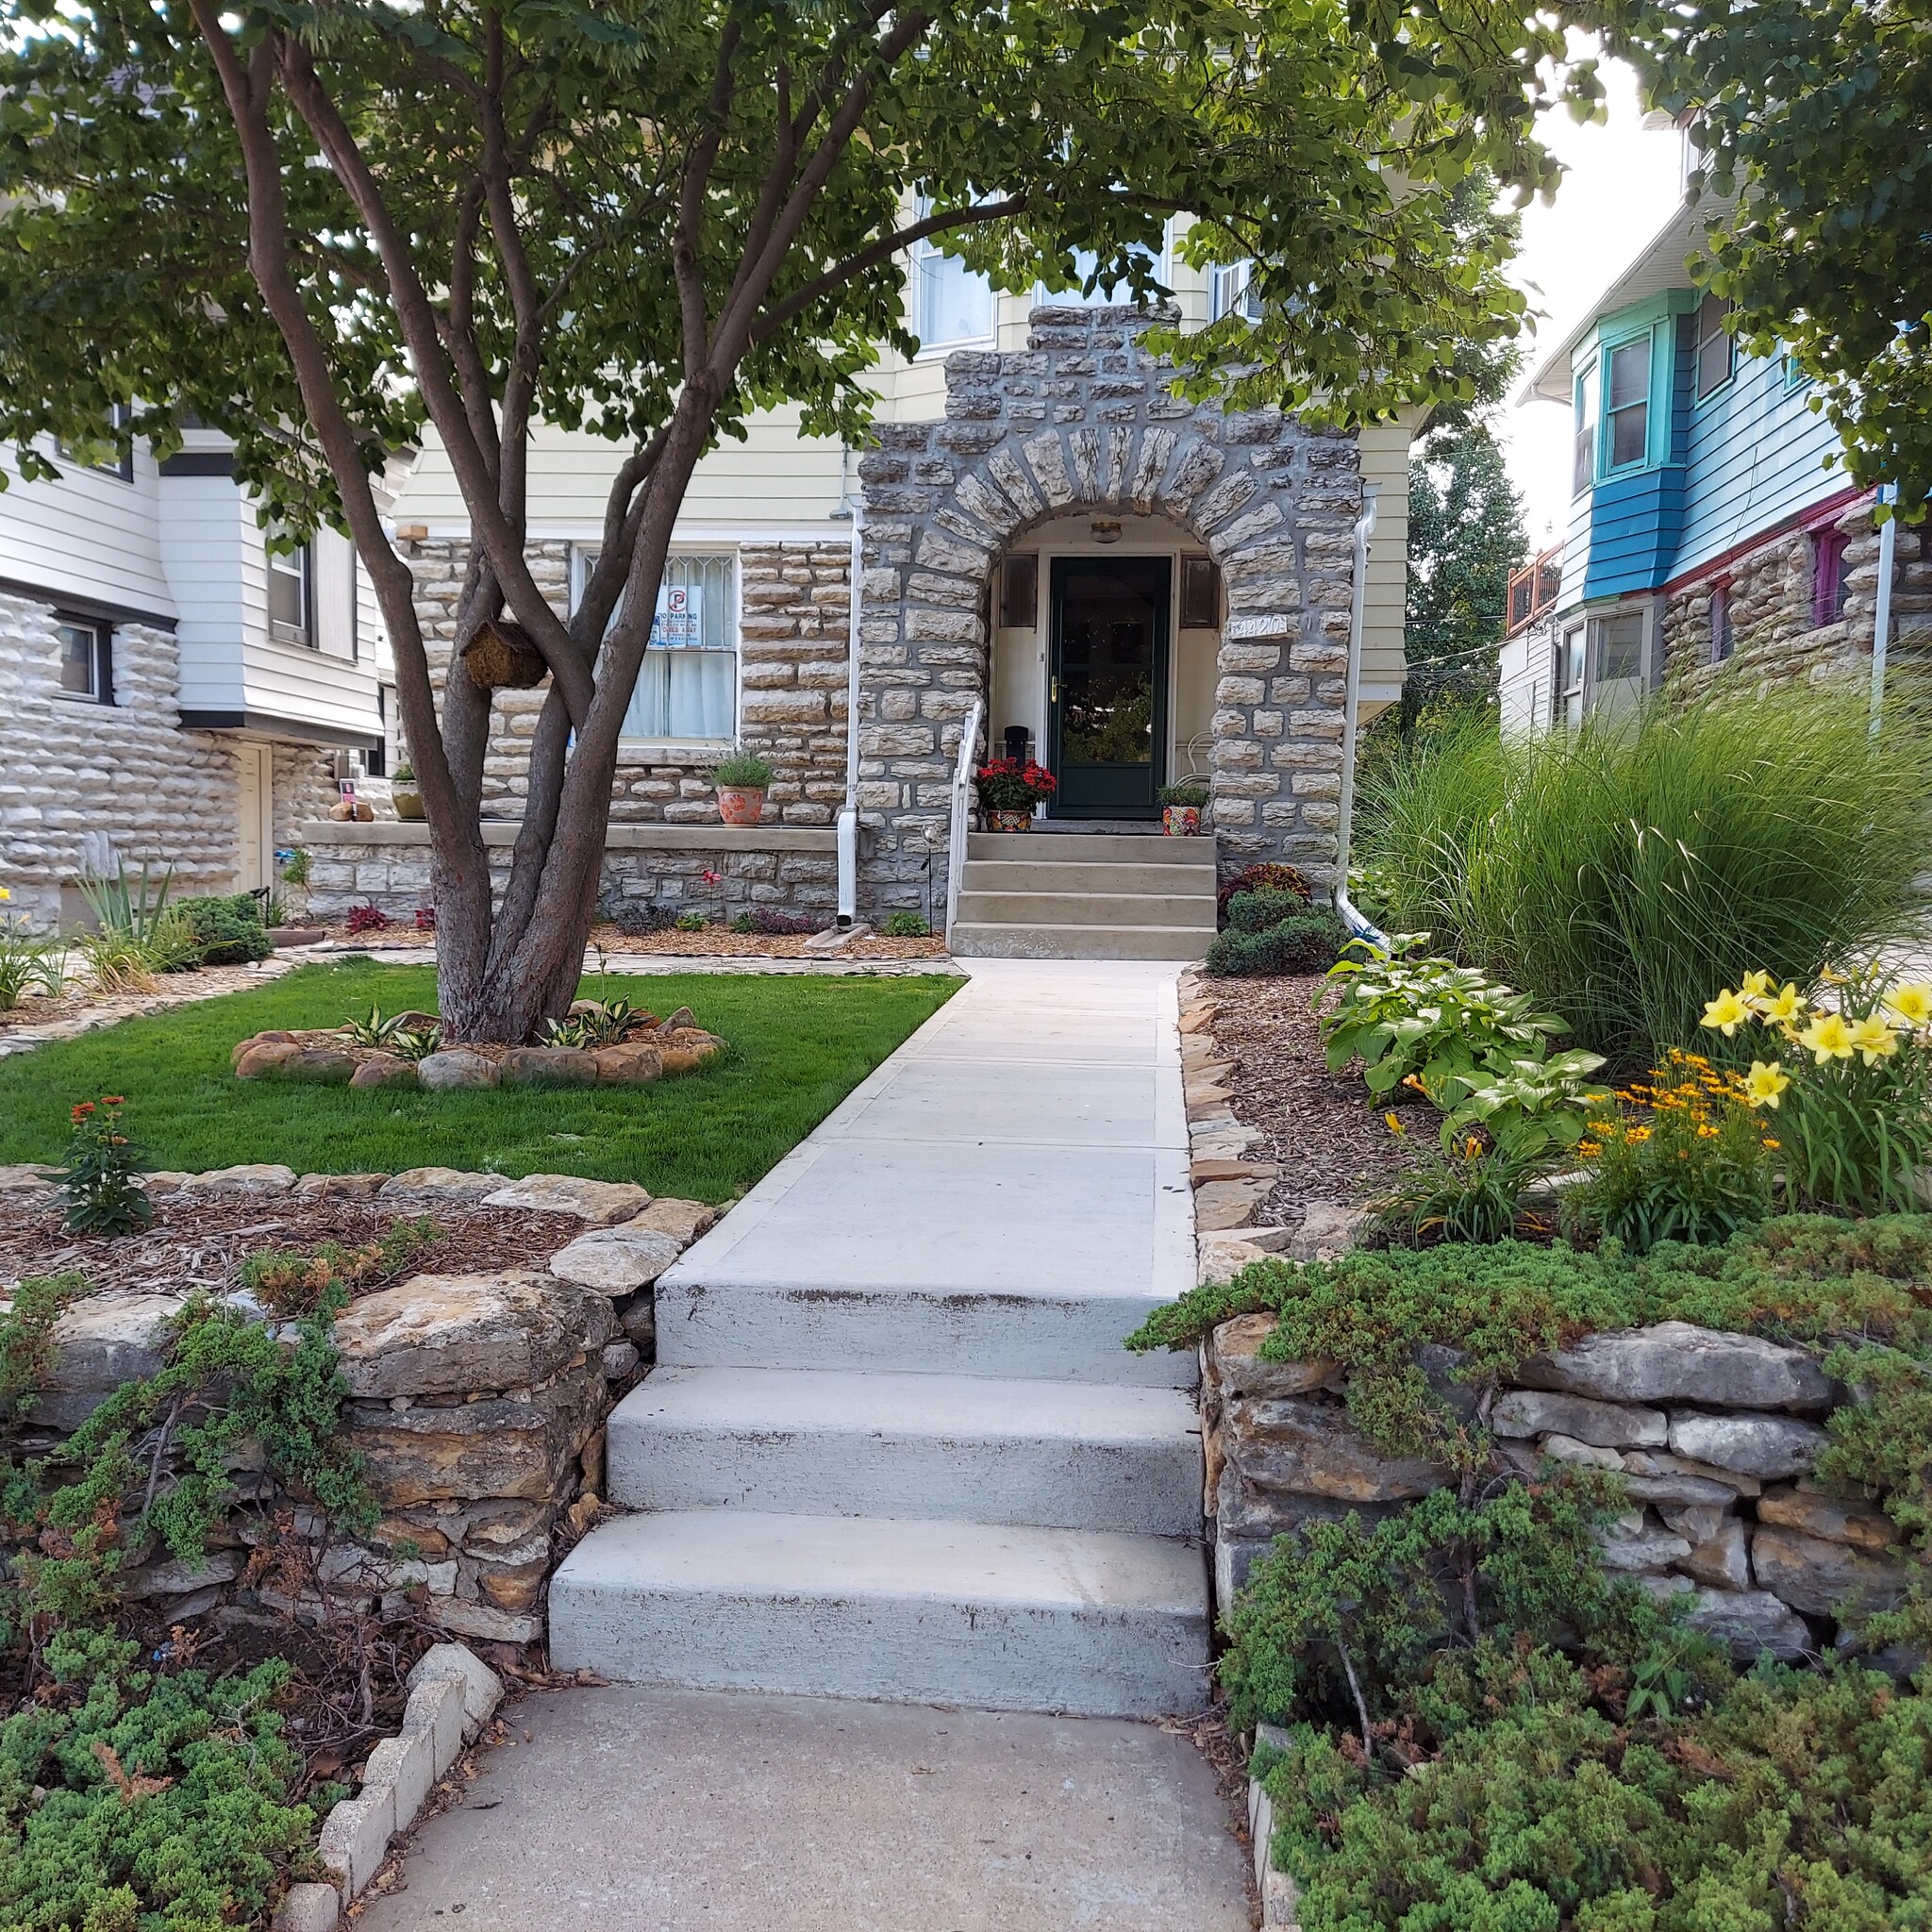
(1427, 1019)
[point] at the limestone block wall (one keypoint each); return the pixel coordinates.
(716, 870)
(1715, 1434)
(1083, 416)
(123, 770)
(794, 623)
(1774, 641)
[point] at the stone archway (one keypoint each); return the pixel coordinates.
(1082, 417)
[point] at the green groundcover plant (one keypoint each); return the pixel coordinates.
(1624, 868)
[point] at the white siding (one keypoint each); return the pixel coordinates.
(89, 535)
(1385, 464)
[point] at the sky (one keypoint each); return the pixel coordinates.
(1623, 180)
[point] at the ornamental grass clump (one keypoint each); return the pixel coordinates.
(1614, 867)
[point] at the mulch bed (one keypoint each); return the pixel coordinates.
(1329, 1136)
(169, 989)
(201, 1240)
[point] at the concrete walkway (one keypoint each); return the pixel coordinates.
(634, 1810)
(894, 1446)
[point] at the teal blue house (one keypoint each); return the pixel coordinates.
(1708, 537)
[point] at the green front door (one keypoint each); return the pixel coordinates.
(1107, 698)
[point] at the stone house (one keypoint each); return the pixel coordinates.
(169, 691)
(1709, 545)
(1049, 550)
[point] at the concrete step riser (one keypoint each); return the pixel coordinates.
(1001, 1621)
(1031, 1337)
(1080, 848)
(1191, 882)
(983, 940)
(1146, 1489)
(978, 906)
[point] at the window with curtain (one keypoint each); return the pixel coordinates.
(687, 691)
(951, 303)
(1231, 291)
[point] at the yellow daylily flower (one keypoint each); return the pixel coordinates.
(1911, 1003)
(1727, 1012)
(1765, 1080)
(1781, 1008)
(1754, 986)
(1395, 1125)
(5, 893)
(1873, 1039)
(1829, 1038)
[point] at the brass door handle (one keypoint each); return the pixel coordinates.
(1053, 695)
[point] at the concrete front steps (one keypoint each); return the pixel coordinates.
(1074, 895)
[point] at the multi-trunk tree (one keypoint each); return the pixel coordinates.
(331, 229)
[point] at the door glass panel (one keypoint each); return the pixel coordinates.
(1111, 654)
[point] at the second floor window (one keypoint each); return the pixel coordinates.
(1627, 402)
(1231, 291)
(951, 303)
(1714, 345)
(291, 605)
(1583, 468)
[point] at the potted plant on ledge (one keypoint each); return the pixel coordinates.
(742, 780)
(403, 793)
(1008, 791)
(1181, 807)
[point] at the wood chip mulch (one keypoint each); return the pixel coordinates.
(201, 1240)
(1329, 1136)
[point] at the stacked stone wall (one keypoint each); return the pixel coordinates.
(125, 771)
(1775, 642)
(795, 618)
(1084, 416)
(1716, 1436)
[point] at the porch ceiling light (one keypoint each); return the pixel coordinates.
(1105, 530)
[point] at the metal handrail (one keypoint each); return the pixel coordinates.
(962, 791)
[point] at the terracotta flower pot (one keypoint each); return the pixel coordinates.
(1180, 821)
(1020, 820)
(738, 804)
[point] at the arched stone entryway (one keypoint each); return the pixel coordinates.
(1082, 417)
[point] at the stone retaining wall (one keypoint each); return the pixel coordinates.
(477, 1402)
(716, 870)
(1716, 1435)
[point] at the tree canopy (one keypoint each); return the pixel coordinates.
(1816, 116)
(329, 228)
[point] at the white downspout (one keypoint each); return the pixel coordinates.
(848, 814)
(1881, 616)
(1354, 919)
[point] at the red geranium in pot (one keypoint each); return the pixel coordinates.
(1009, 789)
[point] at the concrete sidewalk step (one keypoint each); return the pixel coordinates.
(1060, 1335)
(999, 1618)
(1111, 848)
(986, 939)
(1031, 874)
(1093, 904)
(830, 1443)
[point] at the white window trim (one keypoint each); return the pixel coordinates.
(100, 663)
(681, 751)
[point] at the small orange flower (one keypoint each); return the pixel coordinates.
(113, 1100)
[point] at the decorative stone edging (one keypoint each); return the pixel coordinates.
(1280, 1895)
(1229, 1187)
(452, 1694)
(112, 1008)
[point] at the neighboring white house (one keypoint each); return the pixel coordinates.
(168, 690)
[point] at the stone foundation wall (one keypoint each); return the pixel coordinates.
(795, 618)
(477, 1401)
(126, 771)
(1716, 1435)
(1774, 641)
(717, 870)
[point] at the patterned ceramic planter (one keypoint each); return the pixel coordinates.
(1180, 821)
(1011, 821)
(739, 805)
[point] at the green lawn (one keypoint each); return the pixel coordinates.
(795, 1047)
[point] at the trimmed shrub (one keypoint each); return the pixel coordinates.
(1309, 941)
(1270, 878)
(1265, 907)
(1623, 868)
(224, 932)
